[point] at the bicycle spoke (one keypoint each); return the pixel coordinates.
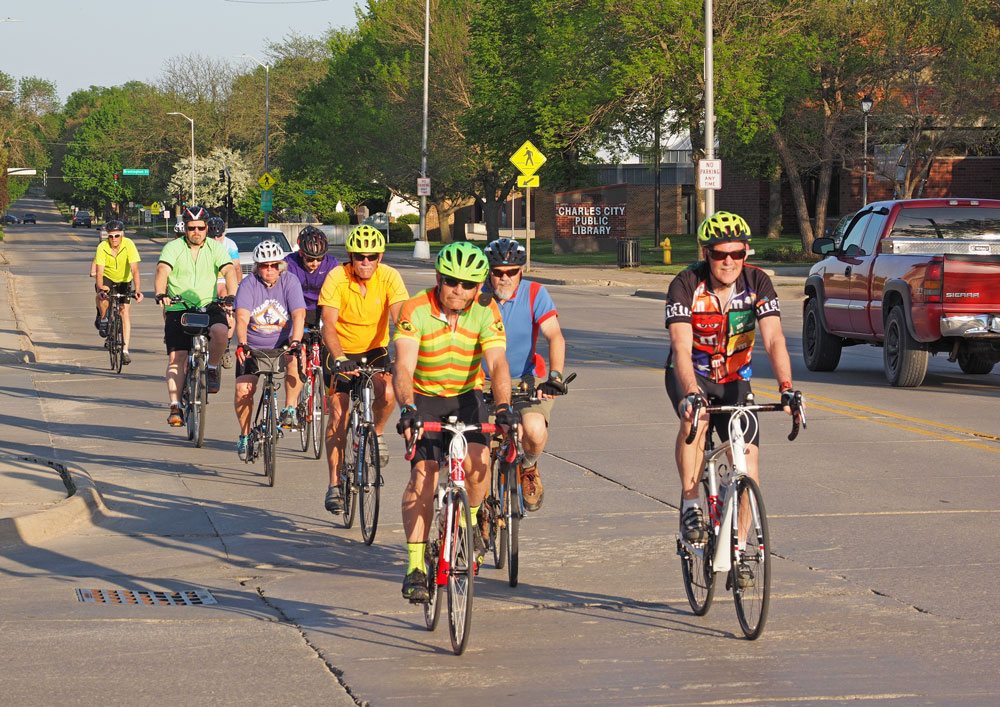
(460, 577)
(696, 565)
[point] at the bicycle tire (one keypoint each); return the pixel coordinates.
(270, 437)
(318, 413)
(201, 407)
(432, 609)
(460, 572)
(752, 602)
(305, 429)
(511, 514)
(493, 510)
(348, 478)
(369, 492)
(119, 342)
(699, 579)
(187, 395)
(111, 341)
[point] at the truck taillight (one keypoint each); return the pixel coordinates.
(933, 278)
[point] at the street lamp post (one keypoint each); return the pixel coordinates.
(421, 248)
(267, 104)
(709, 101)
(190, 120)
(866, 107)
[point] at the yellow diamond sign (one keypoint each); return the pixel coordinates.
(267, 181)
(527, 159)
(155, 208)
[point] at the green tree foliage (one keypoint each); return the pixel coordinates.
(26, 123)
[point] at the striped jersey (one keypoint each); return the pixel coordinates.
(448, 362)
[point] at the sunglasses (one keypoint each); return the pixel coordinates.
(196, 228)
(500, 274)
(115, 235)
(722, 255)
(264, 266)
(455, 282)
(370, 257)
(307, 259)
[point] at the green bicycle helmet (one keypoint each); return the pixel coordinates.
(723, 226)
(463, 261)
(366, 239)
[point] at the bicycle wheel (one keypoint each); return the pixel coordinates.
(460, 572)
(753, 597)
(305, 429)
(317, 413)
(435, 539)
(187, 398)
(511, 514)
(347, 473)
(369, 492)
(114, 338)
(696, 565)
(493, 511)
(270, 435)
(200, 407)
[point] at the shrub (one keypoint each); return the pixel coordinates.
(340, 218)
(400, 233)
(409, 218)
(782, 254)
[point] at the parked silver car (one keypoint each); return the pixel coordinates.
(247, 238)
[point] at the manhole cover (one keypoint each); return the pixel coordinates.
(189, 597)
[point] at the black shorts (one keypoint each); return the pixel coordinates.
(173, 333)
(468, 407)
(716, 394)
(342, 384)
(312, 317)
(121, 288)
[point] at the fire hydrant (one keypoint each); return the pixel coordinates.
(666, 251)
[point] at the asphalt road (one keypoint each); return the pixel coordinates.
(882, 517)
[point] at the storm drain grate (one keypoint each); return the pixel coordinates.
(189, 597)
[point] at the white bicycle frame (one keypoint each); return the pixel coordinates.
(739, 425)
(458, 449)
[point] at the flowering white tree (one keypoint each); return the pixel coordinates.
(208, 190)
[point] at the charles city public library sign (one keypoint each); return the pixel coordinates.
(589, 220)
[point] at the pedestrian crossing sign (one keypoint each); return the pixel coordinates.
(527, 159)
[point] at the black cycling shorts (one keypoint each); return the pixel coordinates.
(121, 288)
(717, 394)
(469, 407)
(173, 333)
(342, 384)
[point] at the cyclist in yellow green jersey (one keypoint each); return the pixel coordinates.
(442, 337)
(116, 269)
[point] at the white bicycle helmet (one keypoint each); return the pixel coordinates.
(179, 229)
(268, 252)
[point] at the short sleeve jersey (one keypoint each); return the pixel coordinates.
(523, 314)
(448, 361)
(231, 248)
(270, 309)
(191, 280)
(723, 332)
(117, 267)
(362, 320)
(312, 282)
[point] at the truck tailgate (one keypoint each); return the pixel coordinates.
(971, 283)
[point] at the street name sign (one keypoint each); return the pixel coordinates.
(266, 199)
(309, 192)
(136, 172)
(21, 171)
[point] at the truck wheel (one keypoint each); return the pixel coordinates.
(905, 358)
(974, 364)
(820, 349)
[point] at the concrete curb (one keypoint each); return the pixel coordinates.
(83, 505)
(26, 352)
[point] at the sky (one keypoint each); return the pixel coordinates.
(80, 43)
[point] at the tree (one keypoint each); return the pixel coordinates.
(209, 191)
(25, 125)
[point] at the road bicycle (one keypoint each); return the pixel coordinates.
(115, 342)
(738, 542)
(503, 509)
(449, 554)
(265, 431)
(312, 399)
(194, 395)
(361, 474)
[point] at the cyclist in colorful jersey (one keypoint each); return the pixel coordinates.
(527, 309)
(358, 299)
(270, 312)
(186, 278)
(714, 309)
(443, 335)
(310, 265)
(116, 267)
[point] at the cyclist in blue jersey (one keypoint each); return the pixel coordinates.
(310, 265)
(527, 309)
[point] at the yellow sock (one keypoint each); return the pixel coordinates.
(474, 511)
(415, 551)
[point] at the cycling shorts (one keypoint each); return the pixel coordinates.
(122, 288)
(717, 394)
(469, 407)
(173, 333)
(336, 383)
(526, 407)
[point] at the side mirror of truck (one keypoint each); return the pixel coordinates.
(823, 246)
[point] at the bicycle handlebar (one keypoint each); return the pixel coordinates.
(798, 413)
(458, 428)
(526, 391)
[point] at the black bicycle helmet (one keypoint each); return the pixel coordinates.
(506, 251)
(195, 213)
(114, 225)
(216, 226)
(313, 242)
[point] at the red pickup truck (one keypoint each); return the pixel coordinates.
(916, 277)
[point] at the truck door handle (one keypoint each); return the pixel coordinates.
(847, 271)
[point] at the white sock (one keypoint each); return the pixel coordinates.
(689, 503)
